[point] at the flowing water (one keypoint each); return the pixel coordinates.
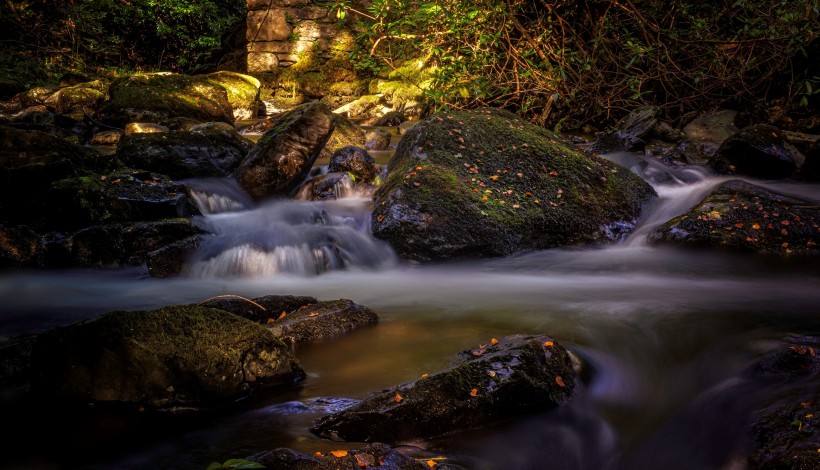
(665, 335)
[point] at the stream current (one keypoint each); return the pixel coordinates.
(662, 330)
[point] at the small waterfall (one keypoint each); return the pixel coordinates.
(218, 195)
(291, 237)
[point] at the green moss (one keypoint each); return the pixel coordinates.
(243, 90)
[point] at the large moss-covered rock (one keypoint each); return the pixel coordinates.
(243, 92)
(181, 154)
(170, 358)
(504, 379)
(375, 455)
(260, 309)
(322, 321)
(122, 196)
(77, 98)
(487, 183)
(154, 97)
(284, 155)
(759, 150)
(345, 134)
(741, 216)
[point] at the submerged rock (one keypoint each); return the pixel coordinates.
(741, 216)
(487, 183)
(761, 151)
(168, 359)
(374, 455)
(284, 155)
(507, 378)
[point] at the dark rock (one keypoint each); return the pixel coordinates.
(629, 131)
(810, 171)
(487, 183)
(20, 247)
(71, 79)
(327, 187)
(284, 155)
(170, 260)
(173, 358)
(133, 128)
(83, 97)
(705, 134)
(664, 131)
(377, 139)
(354, 160)
(180, 123)
(741, 216)
(123, 196)
(760, 151)
(374, 455)
(322, 321)
(518, 375)
(111, 137)
(155, 97)
(260, 309)
(345, 133)
(15, 367)
(9, 88)
(390, 119)
(198, 153)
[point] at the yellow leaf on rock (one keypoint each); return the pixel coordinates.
(282, 315)
(314, 314)
(549, 344)
(432, 463)
(494, 341)
(338, 453)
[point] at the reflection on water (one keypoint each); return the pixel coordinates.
(659, 329)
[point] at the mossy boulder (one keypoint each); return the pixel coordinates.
(345, 133)
(184, 357)
(261, 309)
(741, 216)
(487, 183)
(121, 196)
(154, 97)
(490, 384)
(78, 98)
(243, 92)
(759, 150)
(356, 161)
(201, 152)
(360, 107)
(169, 261)
(285, 154)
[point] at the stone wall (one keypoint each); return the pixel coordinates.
(281, 32)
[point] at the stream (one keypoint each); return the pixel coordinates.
(660, 329)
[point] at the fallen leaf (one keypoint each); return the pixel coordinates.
(739, 225)
(560, 381)
(424, 376)
(494, 177)
(474, 392)
(549, 344)
(282, 315)
(338, 453)
(756, 227)
(314, 314)
(478, 353)
(270, 320)
(432, 463)
(318, 454)
(553, 173)
(494, 341)
(399, 398)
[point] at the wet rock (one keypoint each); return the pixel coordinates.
(181, 123)
(356, 161)
(117, 245)
(20, 247)
(284, 155)
(260, 309)
(629, 132)
(122, 196)
(133, 128)
(374, 455)
(393, 118)
(487, 183)
(155, 97)
(172, 358)
(345, 134)
(741, 216)
(111, 137)
(705, 134)
(322, 321)
(810, 171)
(83, 97)
(518, 375)
(377, 139)
(15, 367)
(760, 151)
(170, 260)
(201, 152)
(406, 126)
(331, 186)
(243, 92)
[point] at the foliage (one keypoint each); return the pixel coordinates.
(135, 34)
(596, 58)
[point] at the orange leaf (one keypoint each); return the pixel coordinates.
(424, 376)
(318, 454)
(494, 341)
(494, 177)
(282, 315)
(560, 381)
(432, 463)
(399, 398)
(756, 226)
(549, 344)
(338, 453)
(314, 314)
(478, 353)
(270, 320)
(474, 392)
